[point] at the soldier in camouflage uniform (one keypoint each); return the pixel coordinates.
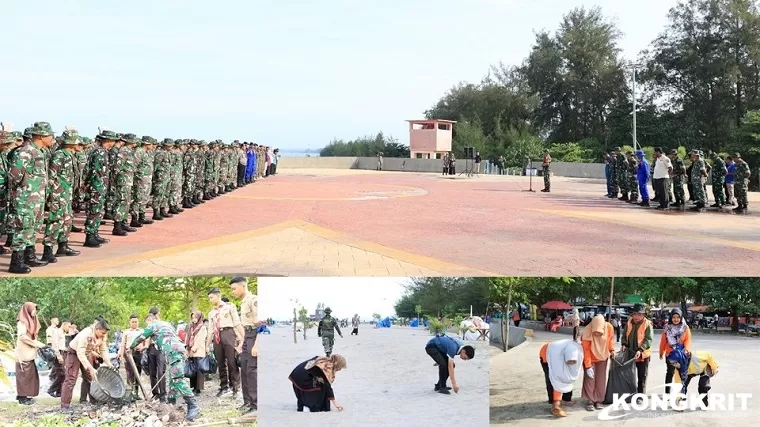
(97, 185)
(679, 176)
(217, 167)
(741, 183)
(7, 138)
(142, 182)
(698, 172)
(171, 347)
(27, 184)
(208, 172)
(718, 174)
(633, 182)
(175, 183)
(326, 330)
(81, 164)
(223, 169)
(188, 174)
(545, 171)
(125, 176)
(161, 178)
(621, 172)
(26, 137)
(113, 154)
(62, 179)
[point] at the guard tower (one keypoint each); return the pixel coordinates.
(429, 139)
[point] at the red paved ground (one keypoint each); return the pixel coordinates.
(488, 224)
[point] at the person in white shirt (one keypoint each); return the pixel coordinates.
(663, 169)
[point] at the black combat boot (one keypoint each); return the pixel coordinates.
(157, 215)
(101, 240)
(118, 230)
(206, 197)
(624, 197)
(192, 408)
(91, 241)
(179, 208)
(165, 213)
(135, 222)
(9, 240)
(30, 258)
(17, 264)
(143, 220)
(3, 250)
(48, 255)
(173, 210)
(126, 227)
(75, 229)
(65, 250)
(197, 200)
(186, 203)
(108, 216)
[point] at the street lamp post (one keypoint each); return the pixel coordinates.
(635, 141)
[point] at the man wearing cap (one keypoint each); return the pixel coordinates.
(642, 178)
(200, 172)
(27, 182)
(80, 157)
(678, 175)
(611, 179)
(621, 168)
(7, 138)
(741, 182)
(631, 174)
(545, 171)
(61, 183)
(698, 172)
(125, 176)
(326, 330)
(142, 182)
(638, 340)
(718, 174)
(175, 177)
(249, 318)
(113, 154)
(161, 176)
(96, 182)
(188, 175)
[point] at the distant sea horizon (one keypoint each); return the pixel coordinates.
(299, 153)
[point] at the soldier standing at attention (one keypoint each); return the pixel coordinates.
(7, 138)
(175, 183)
(741, 183)
(545, 170)
(27, 182)
(188, 175)
(622, 173)
(161, 178)
(143, 181)
(78, 205)
(200, 164)
(718, 174)
(124, 174)
(97, 185)
(112, 160)
(208, 171)
(61, 183)
(227, 334)
(326, 329)
(698, 172)
(614, 186)
(679, 174)
(633, 182)
(163, 334)
(249, 318)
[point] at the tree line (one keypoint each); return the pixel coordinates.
(367, 146)
(437, 297)
(737, 295)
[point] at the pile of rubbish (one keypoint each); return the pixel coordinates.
(144, 414)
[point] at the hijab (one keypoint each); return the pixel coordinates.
(32, 323)
(598, 343)
(562, 375)
(576, 317)
(675, 332)
(194, 329)
(328, 365)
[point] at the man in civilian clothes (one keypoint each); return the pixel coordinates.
(226, 332)
(156, 364)
(730, 176)
(58, 343)
(129, 337)
(663, 168)
(249, 318)
(443, 350)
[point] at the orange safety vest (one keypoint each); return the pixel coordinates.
(645, 354)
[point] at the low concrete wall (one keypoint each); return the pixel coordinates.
(572, 170)
(516, 335)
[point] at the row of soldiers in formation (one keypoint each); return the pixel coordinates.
(45, 180)
(729, 177)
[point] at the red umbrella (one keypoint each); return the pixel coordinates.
(557, 305)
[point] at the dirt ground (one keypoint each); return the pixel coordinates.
(388, 382)
(518, 393)
(47, 409)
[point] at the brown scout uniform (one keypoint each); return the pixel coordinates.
(82, 353)
(249, 317)
(225, 331)
(57, 341)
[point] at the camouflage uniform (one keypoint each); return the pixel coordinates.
(97, 185)
(678, 180)
(113, 155)
(6, 139)
(188, 174)
(621, 170)
(125, 176)
(223, 169)
(613, 177)
(200, 163)
(718, 174)
(80, 158)
(161, 178)
(696, 180)
(175, 193)
(217, 167)
(545, 171)
(143, 180)
(164, 336)
(62, 179)
(633, 182)
(326, 330)
(741, 182)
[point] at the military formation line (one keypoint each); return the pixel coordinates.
(45, 180)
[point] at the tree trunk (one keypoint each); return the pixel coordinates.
(505, 321)
(295, 327)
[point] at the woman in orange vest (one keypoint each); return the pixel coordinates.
(677, 334)
(598, 341)
(638, 340)
(561, 361)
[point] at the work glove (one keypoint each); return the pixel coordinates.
(590, 372)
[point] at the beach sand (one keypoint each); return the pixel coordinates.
(389, 381)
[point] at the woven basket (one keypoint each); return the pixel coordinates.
(107, 385)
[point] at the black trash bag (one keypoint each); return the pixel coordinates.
(622, 377)
(191, 368)
(144, 361)
(47, 354)
(208, 364)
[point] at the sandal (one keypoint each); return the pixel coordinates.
(598, 405)
(557, 411)
(590, 407)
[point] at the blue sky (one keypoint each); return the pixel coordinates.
(292, 74)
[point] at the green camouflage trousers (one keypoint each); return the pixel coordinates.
(178, 384)
(718, 193)
(58, 222)
(122, 196)
(699, 191)
(740, 191)
(328, 341)
(547, 178)
(633, 185)
(141, 194)
(27, 219)
(678, 192)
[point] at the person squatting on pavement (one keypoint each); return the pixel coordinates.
(165, 337)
